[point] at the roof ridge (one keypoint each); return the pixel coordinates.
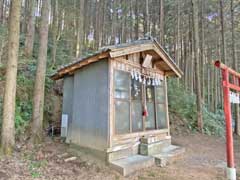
(145, 38)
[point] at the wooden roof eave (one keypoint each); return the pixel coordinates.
(170, 64)
(167, 59)
(73, 67)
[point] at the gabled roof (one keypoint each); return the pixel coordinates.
(147, 44)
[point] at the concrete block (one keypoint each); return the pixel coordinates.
(153, 139)
(123, 153)
(161, 162)
(153, 148)
(129, 165)
(168, 155)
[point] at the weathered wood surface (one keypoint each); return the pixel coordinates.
(130, 50)
(75, 66)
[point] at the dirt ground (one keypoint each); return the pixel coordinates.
(204, 160)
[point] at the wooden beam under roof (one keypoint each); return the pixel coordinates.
(70, 69)
(168, 62)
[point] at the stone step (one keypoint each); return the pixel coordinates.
(168, 155)
(152, 149)
(129, 165)
(122, 152)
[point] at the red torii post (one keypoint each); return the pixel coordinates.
(227, 85)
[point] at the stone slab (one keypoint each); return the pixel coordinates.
(129, 165)
(168, 154)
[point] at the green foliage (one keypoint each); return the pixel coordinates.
(62, 55)
(34, 167)
(183, 103)
(25, 82)
(22, 116)
(213, 122)
(25, 88)
(23, 103)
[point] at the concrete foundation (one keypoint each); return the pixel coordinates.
(131, 164)
(120, 154)
(152, 147)
(231, 174)
(127, 161)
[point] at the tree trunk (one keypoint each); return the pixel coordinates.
(186, 62)
(97, 26)
(80, 39)
(161, 23)
(25, 9)
(153, 19)
(136, 24)
(191, 56)
(29, 41)
(8, 129)
(131, 21)
(104, 20)
(178, 33)
(1, 10)
(124, 21)
(197, 68)
(223, 50)
(147, 18)
(4, 10)
(55, 31)
(114, 23)
(38, 96)
(202, 44)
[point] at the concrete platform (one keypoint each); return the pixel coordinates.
(129, 165)
(168, 155)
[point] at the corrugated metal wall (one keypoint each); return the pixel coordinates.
(90, 106)
(68, 101)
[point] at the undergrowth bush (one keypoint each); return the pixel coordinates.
(183, 103)
(25, 83)
(25, 88)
